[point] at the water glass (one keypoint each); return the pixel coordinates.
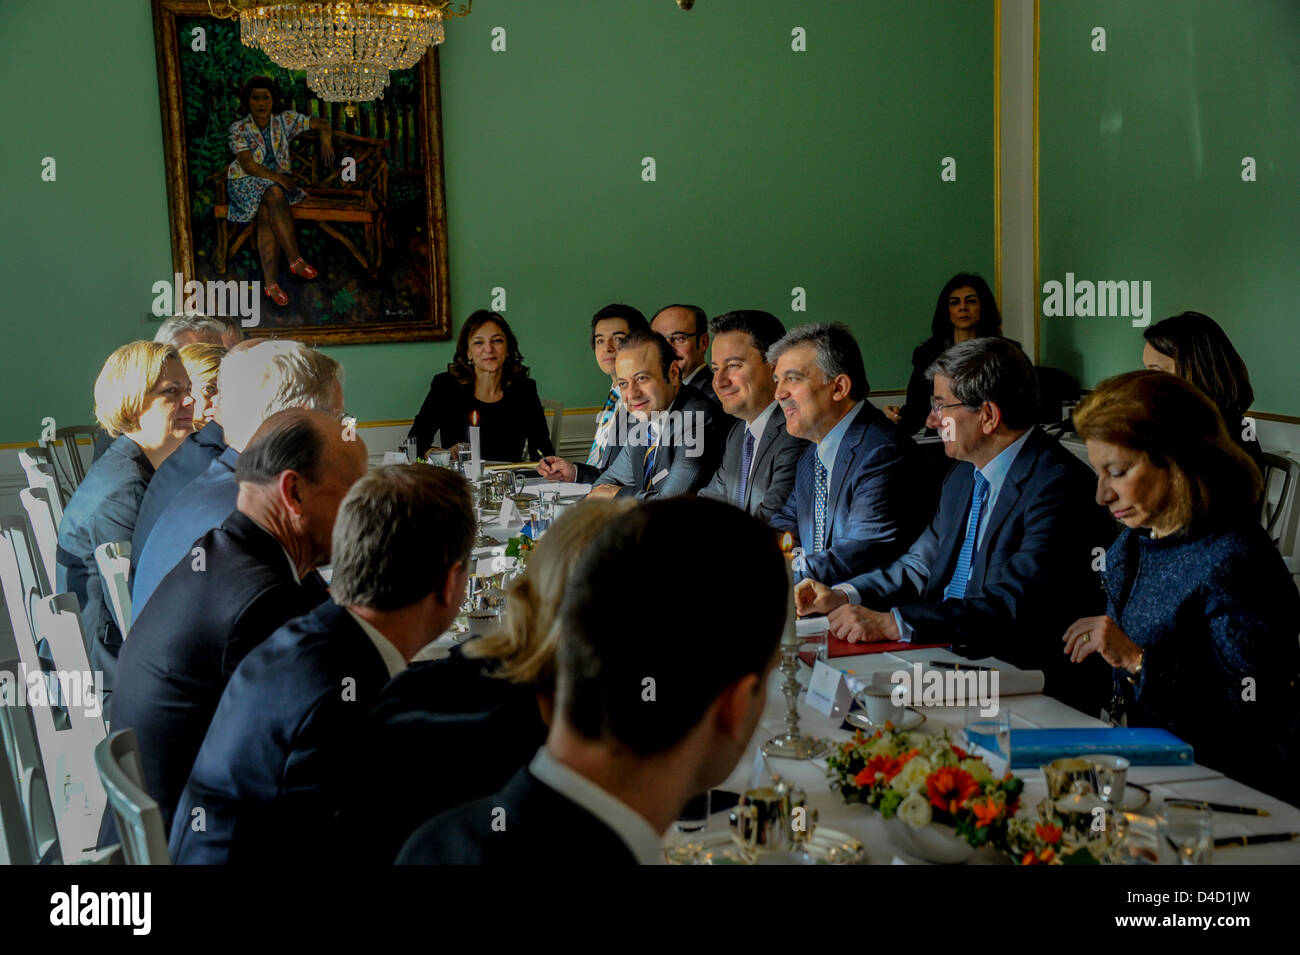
(684, 844)
(463, 459)
(1186, 829)
(992, 736)
(409, 448)
(816, 644)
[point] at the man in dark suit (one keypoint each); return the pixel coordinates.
(248, 578)
(859, 493)
(640, 728)
(675, 436)
(1005, 564)
(609, 326)
(686, 328)
(283, 751)
(758, 465)
(254, 383)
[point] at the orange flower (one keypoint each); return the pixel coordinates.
(864, 778)
(961, 753)
(1047, 855)
(889, 725)
(1049, 834)
(1029, 858)
(949, 788)
(986, 812)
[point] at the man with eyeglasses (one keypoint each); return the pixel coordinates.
(609, 326)
(687, 330)
(1005, 564)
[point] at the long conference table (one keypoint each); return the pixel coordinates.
(1028, 711)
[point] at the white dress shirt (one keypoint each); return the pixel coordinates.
(628, 824)
(393, 659)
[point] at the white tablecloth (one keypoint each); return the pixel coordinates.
(1033, 711)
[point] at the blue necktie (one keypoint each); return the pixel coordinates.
(746, 459)
(819, 507)
(648, 461)
(957, 586)
(602, 429)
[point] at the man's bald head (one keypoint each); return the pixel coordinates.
(295, 471)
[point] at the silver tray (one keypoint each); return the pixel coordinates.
(826, 847)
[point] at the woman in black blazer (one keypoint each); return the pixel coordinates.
(142, 399)
(488, 378)
(965, 309)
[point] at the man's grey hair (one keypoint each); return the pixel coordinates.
(991, 369)
(177, 325)
(399, 531)
(836, 351)
(257, 381)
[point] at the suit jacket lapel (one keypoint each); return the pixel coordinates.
(1021, 468)
(844, 458)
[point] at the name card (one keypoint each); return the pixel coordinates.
(828, 692)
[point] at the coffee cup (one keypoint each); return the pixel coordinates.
(1109, 774)
(1071, 774)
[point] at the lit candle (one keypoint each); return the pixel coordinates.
(475, 458)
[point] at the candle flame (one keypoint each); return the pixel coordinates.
(787, 543)
(473, 418)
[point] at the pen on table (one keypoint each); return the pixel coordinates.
(1230, 841)
(945, 665)
(1218, 806)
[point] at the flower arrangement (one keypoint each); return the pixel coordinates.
(1039, 842)
(519, 546)
(925, 779)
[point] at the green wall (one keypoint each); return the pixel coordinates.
(1140, 173)
(775, 169)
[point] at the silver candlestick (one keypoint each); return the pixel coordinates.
(792, 744)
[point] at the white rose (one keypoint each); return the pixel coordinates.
(912, 776)
(915, 810)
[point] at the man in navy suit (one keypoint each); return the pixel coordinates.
(640, 727)
(609, 326)
(859, 493)
(282, 753)
(254, 383)
(253, 574)
(675, 436)
(1005, 564)
(687, 329)
(758, 465)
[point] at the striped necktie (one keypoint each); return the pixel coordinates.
(961, 574)
(819, 506)
(603, 422)
(648, 462)
(746, 461)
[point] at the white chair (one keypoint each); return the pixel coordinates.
(69, 465)
(27, 825)
(39, 469)
(68, 732)
(557, 419)
(36, 501)
(1281, 481)
(138, 817)
(114, 563)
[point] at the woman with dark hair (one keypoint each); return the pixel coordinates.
(259, 184)
(1202, 615)
(965, 309)
(487, 381)
(1194, 347)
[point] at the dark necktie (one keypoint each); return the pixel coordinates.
(819, 507)
(746, 460)
(648, 462)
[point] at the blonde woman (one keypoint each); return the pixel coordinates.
(484, 710)
(142, 399)
(202, 361)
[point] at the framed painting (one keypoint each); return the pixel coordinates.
(348, 242)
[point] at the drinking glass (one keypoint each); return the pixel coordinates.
(816, 644)
(992, 735)
(412, 453)
(537, 516)
(685, 844)
(1109, 774)
(463, 458)
(1186, 829)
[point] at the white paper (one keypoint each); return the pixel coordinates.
(811, 626)
(509, 513)
(565, 488)
(394, 457)
(827, 691)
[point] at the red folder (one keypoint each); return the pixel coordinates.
(835, 647)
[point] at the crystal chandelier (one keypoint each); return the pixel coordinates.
(346, 49)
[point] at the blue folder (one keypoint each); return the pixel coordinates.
(1141, 746)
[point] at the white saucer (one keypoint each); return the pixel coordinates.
(911, 720)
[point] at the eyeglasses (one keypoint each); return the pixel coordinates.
(936, 407)
(681, 338)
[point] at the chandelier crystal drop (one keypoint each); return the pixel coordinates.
(346, 49)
